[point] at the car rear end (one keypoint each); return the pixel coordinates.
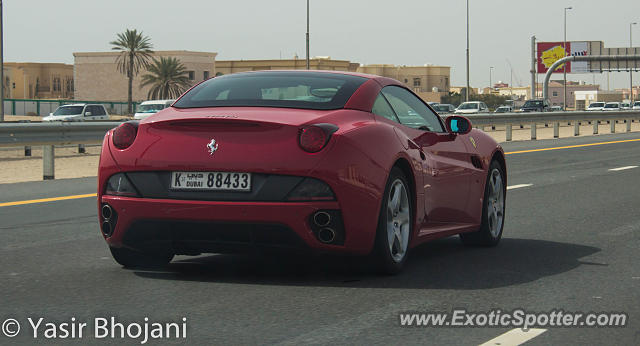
(200, 179)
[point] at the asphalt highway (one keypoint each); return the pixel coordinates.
(571, 242)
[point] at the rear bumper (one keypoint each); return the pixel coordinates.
(189, 226)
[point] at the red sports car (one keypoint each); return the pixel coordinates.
(320, 161)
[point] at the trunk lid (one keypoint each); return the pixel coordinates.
(251, 139)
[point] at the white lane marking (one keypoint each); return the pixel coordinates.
(622, 168)
(514, 337)
(518, 186)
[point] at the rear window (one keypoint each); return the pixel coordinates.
(307, 90)
(68, 110)
(468, 106)
(533, 104)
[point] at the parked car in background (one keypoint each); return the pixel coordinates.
(596, 106)
(148, 108)
(625, 106)
(472, 107)
(444, 108)
(78, 112)
(555, 109)
(636, 105)
(535, 106)
(504, 109)
(612, 106)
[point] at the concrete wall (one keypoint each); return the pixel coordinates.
(97, 77)
(233, 66)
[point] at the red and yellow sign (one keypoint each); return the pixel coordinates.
(549, 53)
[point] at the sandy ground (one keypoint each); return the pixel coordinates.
(15, 167)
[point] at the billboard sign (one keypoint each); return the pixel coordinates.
(550, 52)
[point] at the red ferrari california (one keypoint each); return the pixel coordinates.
(318, 161)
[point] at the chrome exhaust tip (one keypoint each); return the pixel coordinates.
(326, 235)
(106, 228)
(107, 213)
(322, 218)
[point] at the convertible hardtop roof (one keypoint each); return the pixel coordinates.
(357, 74)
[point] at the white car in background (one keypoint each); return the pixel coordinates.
(472, 107)
(596, 106)
(636, 105)
(504, 109)
(625, 106)
(149, 108)
(612, 106)
(78, 112)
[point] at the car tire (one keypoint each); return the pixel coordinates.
(493, 207)
(135, 259)
(395, 225)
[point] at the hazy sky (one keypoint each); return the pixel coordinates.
(403, 32)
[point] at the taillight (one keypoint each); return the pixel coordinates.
(314, 137)
(125, 134)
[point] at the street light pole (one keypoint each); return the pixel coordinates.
(564, 68)
(468, 88)
(308, 35)
(631, 68)
(490, 80)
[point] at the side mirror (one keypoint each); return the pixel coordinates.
(87, 114)
(457, 124)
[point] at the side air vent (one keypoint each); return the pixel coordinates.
(476, 162)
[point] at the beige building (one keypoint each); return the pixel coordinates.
(233, 66)
(429, 82)
(97, 77)
(583, 98)
(515, 93)
(29, 80)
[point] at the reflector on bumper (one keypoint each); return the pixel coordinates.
(311, 190)
(119, 185)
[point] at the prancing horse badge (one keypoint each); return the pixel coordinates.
(473, 141)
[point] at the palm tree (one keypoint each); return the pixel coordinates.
(168, 79)
(135, 54)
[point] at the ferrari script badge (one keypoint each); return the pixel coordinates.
(212, 146)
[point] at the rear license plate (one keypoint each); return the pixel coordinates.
(228, 181)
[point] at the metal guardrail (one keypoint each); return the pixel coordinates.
(54, 133)
(51, 134)
(535, 119)
(63, 133)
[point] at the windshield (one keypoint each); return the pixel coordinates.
(637, 103)
(596, 104)
(307, 90)
(611, 105)
(68, 110)
(152, 108)
(441, 108)
(468, 106)
(536, 103)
